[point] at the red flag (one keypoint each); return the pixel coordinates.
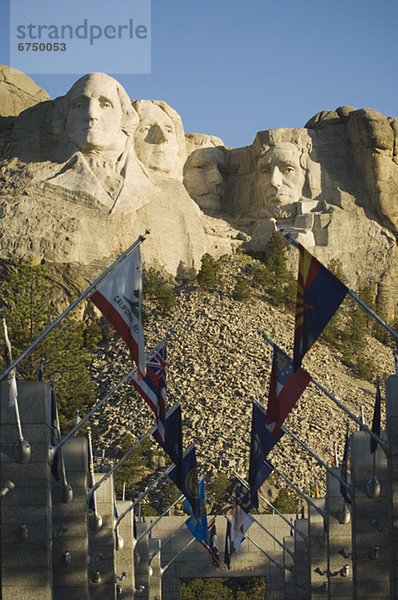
(285, 389)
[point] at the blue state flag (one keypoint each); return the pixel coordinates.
(172, 444)
(262, 441)
(189, 484)
(198, 527)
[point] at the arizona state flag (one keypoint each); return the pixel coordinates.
(319, 294)
(119, 298)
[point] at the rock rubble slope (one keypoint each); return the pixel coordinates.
(217, 361)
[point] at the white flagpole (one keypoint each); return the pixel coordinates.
(24, 449)
(263, 551)
(246, 485)
(145, 492)
(383, 443)
(174, 533)
(159, 518)
(83, 295)
(163, 569)
(295, 243)
(130, 450)
(266, 530)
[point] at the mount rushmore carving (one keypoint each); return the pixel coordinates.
(83, 175)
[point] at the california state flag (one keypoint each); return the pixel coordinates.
(119, 298)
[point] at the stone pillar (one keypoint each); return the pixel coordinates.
(274, 582)
(318, 549)
(70, 536)
(289, 575)
(125, 554)
(155, 587)
(25, 511)
(141, 565)
(102, 575)
(371, 542)
(339, 542)
(302, 561)
(392, 435)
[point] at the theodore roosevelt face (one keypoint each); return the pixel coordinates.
(280, 175)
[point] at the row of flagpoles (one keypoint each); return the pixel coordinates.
(118, 295)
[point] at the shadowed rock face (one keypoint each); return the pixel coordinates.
(204, 174)
(82, 176)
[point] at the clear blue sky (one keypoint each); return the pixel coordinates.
(233, 68)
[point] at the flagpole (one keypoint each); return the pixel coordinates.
(68, 490)
(83, 295)
(129, 375)
(261, 550)
(130, 450)
(166, 540)
(163, 569)
(23, 445)
(319, 510)
(266, 530)
(295, 243)
(159, 518)
(145, 492)
(329, 469)
(247, 486)
(364, 427)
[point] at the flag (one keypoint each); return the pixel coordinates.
(11, 377)
(77, 421)
(242, 496)
(227, 547)
(262, 441)
(286, 386)
(152, 388)
(316, 488)
(41, 369)
(172, 444)
(198, 527)
(345, 476)
(189, 483)
(119, 298)
(102, 467)
(319, 294)
(212, 544)
(376, 417)
(240, 523)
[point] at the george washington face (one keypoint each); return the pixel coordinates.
(94, 119)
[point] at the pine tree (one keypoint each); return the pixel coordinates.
(29, 301)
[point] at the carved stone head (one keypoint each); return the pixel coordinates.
(280, 170)
(159, 138)
(98, 115)
(204, 177)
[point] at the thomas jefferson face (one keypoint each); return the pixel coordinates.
(95, 114)
(156, 140)
(203, 177)
(281, 177)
